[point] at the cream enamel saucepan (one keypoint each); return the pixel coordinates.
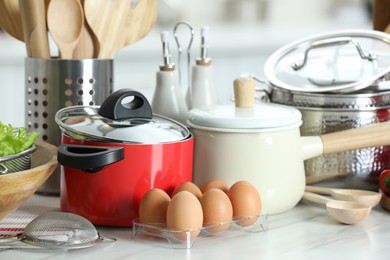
(262, 144)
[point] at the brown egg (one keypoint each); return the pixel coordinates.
(217, 209)
(185, 213)
(153, 208)
(246, 202)
(217, 184)
(188, 186)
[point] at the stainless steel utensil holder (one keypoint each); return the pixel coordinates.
(52, 84)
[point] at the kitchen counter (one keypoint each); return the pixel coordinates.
(305, 232)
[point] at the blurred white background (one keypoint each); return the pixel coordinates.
(243, 33)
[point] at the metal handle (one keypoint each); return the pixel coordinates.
(3, 169)
(333, 42)
(179, 50)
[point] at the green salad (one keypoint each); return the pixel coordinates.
(15, 140)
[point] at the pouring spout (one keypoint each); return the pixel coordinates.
(311, 146)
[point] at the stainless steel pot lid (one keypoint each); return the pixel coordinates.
(244, 115)
(338, 62)
(120, 120)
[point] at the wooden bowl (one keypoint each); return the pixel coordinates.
(17, 187)
(385, 202)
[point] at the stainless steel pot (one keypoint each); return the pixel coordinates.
(338, 81)
(336, 113)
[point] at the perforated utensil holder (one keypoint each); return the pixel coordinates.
(52, 84)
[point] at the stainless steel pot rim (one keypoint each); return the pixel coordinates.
(341, 110)
(271, 63)
(358, 94)
(58, 59)
(331, 101)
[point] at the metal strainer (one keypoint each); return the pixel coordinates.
(60, 230)
(16, 162)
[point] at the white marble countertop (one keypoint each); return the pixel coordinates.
(305, 232)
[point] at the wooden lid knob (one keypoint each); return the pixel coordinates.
(244, 92)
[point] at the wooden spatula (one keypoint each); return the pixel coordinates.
(387, 29)
(87, 46)
(140, 21)
(107, 19)
(10, 19)
(33, 14)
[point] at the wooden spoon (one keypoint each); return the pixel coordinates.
(365, 197)
(33, 14)
(107, 20)
(87, 46)
(140, 21)
(347, 212)
(10, 18)
(65, 19)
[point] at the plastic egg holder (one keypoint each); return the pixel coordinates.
(158, 230)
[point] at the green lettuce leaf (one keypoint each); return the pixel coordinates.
(13, 141)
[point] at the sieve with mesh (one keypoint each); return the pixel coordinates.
(52, 84)
(59, 230)
(16, 162)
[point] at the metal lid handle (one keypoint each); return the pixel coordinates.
(332, 42)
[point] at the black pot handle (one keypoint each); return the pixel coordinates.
(90, 159)
(113, 107)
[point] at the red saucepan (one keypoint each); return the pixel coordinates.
(111, 155)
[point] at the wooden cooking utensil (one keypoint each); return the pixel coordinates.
(65, 19)
(387, 29)
(17, 187)
(33, 14)
(365, 197)
(87, 46)
(347, 212)
(385, 201)
(107, 19)
(140, 21)
(47, 4)
(10, 19)
(380, 14)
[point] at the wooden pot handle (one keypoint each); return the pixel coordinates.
(367, 136)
